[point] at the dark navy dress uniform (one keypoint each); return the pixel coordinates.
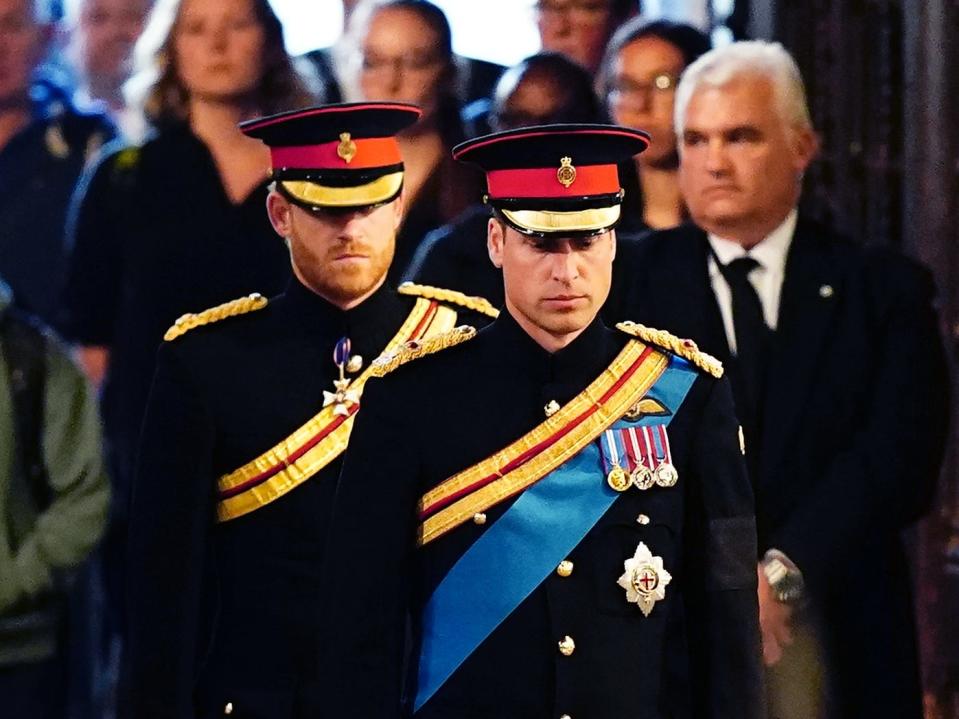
(250, 409)
(437, 523)
(227, 614)
(696, 655)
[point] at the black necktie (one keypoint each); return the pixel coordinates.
(752, 344)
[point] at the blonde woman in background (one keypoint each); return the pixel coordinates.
(175, 224)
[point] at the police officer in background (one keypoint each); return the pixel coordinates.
(252, 404)
(561, 508)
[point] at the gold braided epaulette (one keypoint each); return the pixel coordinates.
(190, 321)
(477, 304)
(686, 349)
(414, 349)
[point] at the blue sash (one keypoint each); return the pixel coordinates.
(523, 547)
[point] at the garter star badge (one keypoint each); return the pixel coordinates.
(645, 579)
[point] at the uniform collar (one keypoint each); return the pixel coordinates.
(380, 310)
(584, 357)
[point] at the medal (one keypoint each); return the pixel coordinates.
(343, 397)
(617, 477)
(644, 580)
(642, 476)
(665, 472)
(666, 475)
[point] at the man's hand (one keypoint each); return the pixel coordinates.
(774, 622)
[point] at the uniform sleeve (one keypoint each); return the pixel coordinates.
(94, 240)
(369, 560)
(170, 525)
(66, 532)
(887, 475)
(721, 553)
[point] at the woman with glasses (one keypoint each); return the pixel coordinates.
(638, 80)
(401, 50)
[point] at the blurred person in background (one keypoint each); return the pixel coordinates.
(324, 59)
(542, 89)
(176, 224)
(54, 496)
(839, 378)
(638, 81)
(475, 78)
(580, 29)
(101, 35)
(401, 50)
(44, 145)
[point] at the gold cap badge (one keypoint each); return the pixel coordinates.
(566, 174)
(347, 148)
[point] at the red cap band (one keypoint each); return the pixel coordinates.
(544, 182)
(363, 154)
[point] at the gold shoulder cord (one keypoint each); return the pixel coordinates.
(477, 304)
(686, 349)
(191, 320)
(414, 349)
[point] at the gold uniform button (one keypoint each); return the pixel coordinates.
(565, 568)
(643, 519)
(566, 716)
(228, 709)
(567, 646)
(479, 518)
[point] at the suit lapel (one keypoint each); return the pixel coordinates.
(810, 293)
(684, 302)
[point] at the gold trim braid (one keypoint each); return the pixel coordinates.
(191, 321)
(470, 302)
(293, 460)
(379, 190)
(567, 445)
(599, 218)
(414, 349)
(686, 349)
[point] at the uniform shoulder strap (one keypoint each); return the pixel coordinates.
(686, 349)
(414, 349)
(240, 306)
(477, 304)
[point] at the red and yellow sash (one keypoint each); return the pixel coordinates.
(323, 438)
(527, 460)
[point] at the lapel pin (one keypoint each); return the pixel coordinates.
(826, 291)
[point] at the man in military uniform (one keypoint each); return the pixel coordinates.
(251, 407)
(561, 508)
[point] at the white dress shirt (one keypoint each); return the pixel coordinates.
(766, 279)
